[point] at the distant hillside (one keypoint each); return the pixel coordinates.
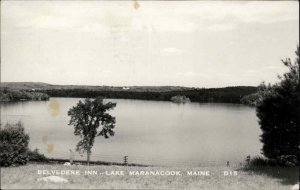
(25, 85)
(44, 86)
(160, 93)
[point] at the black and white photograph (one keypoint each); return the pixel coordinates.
(139, 94)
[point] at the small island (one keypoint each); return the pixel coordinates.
(180, 99)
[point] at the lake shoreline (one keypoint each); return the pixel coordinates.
(141, 127)
(230, 94)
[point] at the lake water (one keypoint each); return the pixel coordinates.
(149, 132)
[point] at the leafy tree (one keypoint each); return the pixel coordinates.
(278, 114)
(255, 98)
(86, 117)
(13, 145)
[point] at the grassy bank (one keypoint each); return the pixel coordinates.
(26, 177)
(287, 175)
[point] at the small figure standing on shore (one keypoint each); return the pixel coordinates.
(248, 159)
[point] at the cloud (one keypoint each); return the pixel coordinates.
(48, 22)
(160, 16)
(252, 71)
(93, 27)
(172, 50)
(222, 27)
(252, 11)
(169, 24)
(272, 67)
(192, 74)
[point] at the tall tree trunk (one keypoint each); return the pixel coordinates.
(88, 157)
(88, 152)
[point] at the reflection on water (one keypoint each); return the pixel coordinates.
(150, 132)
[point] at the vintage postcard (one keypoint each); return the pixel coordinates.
(149, 94)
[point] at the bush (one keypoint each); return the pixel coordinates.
(180, 99)
(271, 167)
(259, 162)
(13, 145)
(35, 156)
(256, 98)
(278, 115)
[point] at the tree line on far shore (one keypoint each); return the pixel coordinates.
(221, 95)
(9, 95)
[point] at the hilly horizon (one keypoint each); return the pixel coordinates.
(47, 86)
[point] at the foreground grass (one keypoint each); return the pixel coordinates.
(25, 177)
(287, 175)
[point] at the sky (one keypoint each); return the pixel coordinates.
(147, 43)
